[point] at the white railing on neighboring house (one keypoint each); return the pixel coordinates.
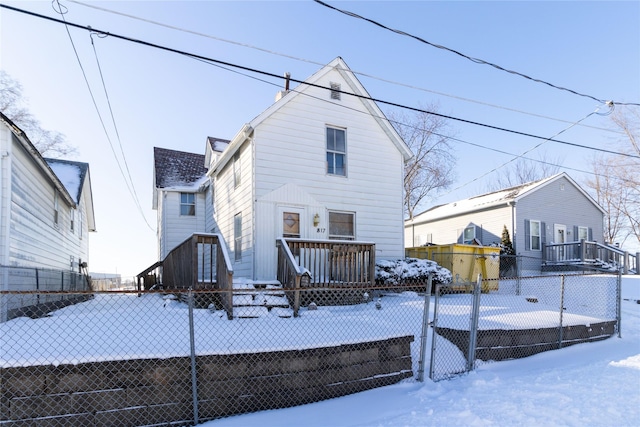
(591, 254)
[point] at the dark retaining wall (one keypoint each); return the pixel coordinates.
(158, 391)
(501, 344)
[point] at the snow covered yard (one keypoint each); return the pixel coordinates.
(594, 384)
(568, 387)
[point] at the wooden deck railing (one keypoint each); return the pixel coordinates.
(201, 262)
(590, 253)
(324, 263)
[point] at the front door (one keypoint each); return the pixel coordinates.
(291, 222)
(560, 237)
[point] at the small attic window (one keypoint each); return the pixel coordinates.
(335, 90)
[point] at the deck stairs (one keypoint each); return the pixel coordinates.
(255, 299)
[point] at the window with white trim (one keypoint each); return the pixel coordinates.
(72, 218)
(342, 225)
(469, 234)
(535, 231)
(336, 152)
(237, 236)
(583, 233)
(187, 204)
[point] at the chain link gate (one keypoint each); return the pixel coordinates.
(521, 317)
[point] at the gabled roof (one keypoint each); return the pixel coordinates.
(177, 168)
(354, 86)
(23, 139)
(69, 178)
(493, 199)
(76, 179)
(71, 174)
(218, 144)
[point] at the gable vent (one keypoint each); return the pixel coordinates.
(335, 90)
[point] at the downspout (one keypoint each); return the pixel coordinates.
(5, 204)
(513, 225)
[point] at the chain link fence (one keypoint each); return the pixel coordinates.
(163, 358)
(511, 318)
(44, 290)
(157, 358)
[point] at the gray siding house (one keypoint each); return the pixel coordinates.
(554, 210)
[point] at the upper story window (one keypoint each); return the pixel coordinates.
(237, 172)
(336, 152)
(72, 216)
(187, 204)
(342, 225)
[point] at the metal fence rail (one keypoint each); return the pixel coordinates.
(118, 358)
(522, 317)
(45, 290)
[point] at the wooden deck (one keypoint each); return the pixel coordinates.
(588, 255)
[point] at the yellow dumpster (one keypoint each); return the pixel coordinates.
(465, 263)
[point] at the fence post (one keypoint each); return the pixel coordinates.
(518, 267)
(561, 332)
(473, 324)
(192, 344)
(433, 332)
(425, 328)
(619, 303)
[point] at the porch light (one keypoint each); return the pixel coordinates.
(316, 220)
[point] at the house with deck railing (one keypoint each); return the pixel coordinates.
(309, 191)
(554, 225)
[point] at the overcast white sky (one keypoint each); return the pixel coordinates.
(171, 101)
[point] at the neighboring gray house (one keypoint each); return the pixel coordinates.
(46, 214)
(551, 210)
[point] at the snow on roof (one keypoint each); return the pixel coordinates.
(178, 169)
(481, 201)
(218, 144)
(71, 175)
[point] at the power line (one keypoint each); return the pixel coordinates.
(472, 59)
(115, 126)
(266, 73)
(359, 73)
(62, 13)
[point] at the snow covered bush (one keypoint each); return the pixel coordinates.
(410, 271)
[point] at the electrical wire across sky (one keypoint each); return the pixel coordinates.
(280, 77)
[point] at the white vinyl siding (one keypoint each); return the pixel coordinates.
(487, 227)
(33, 239)
(174, 227)
(229, 200)
(373, 186)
